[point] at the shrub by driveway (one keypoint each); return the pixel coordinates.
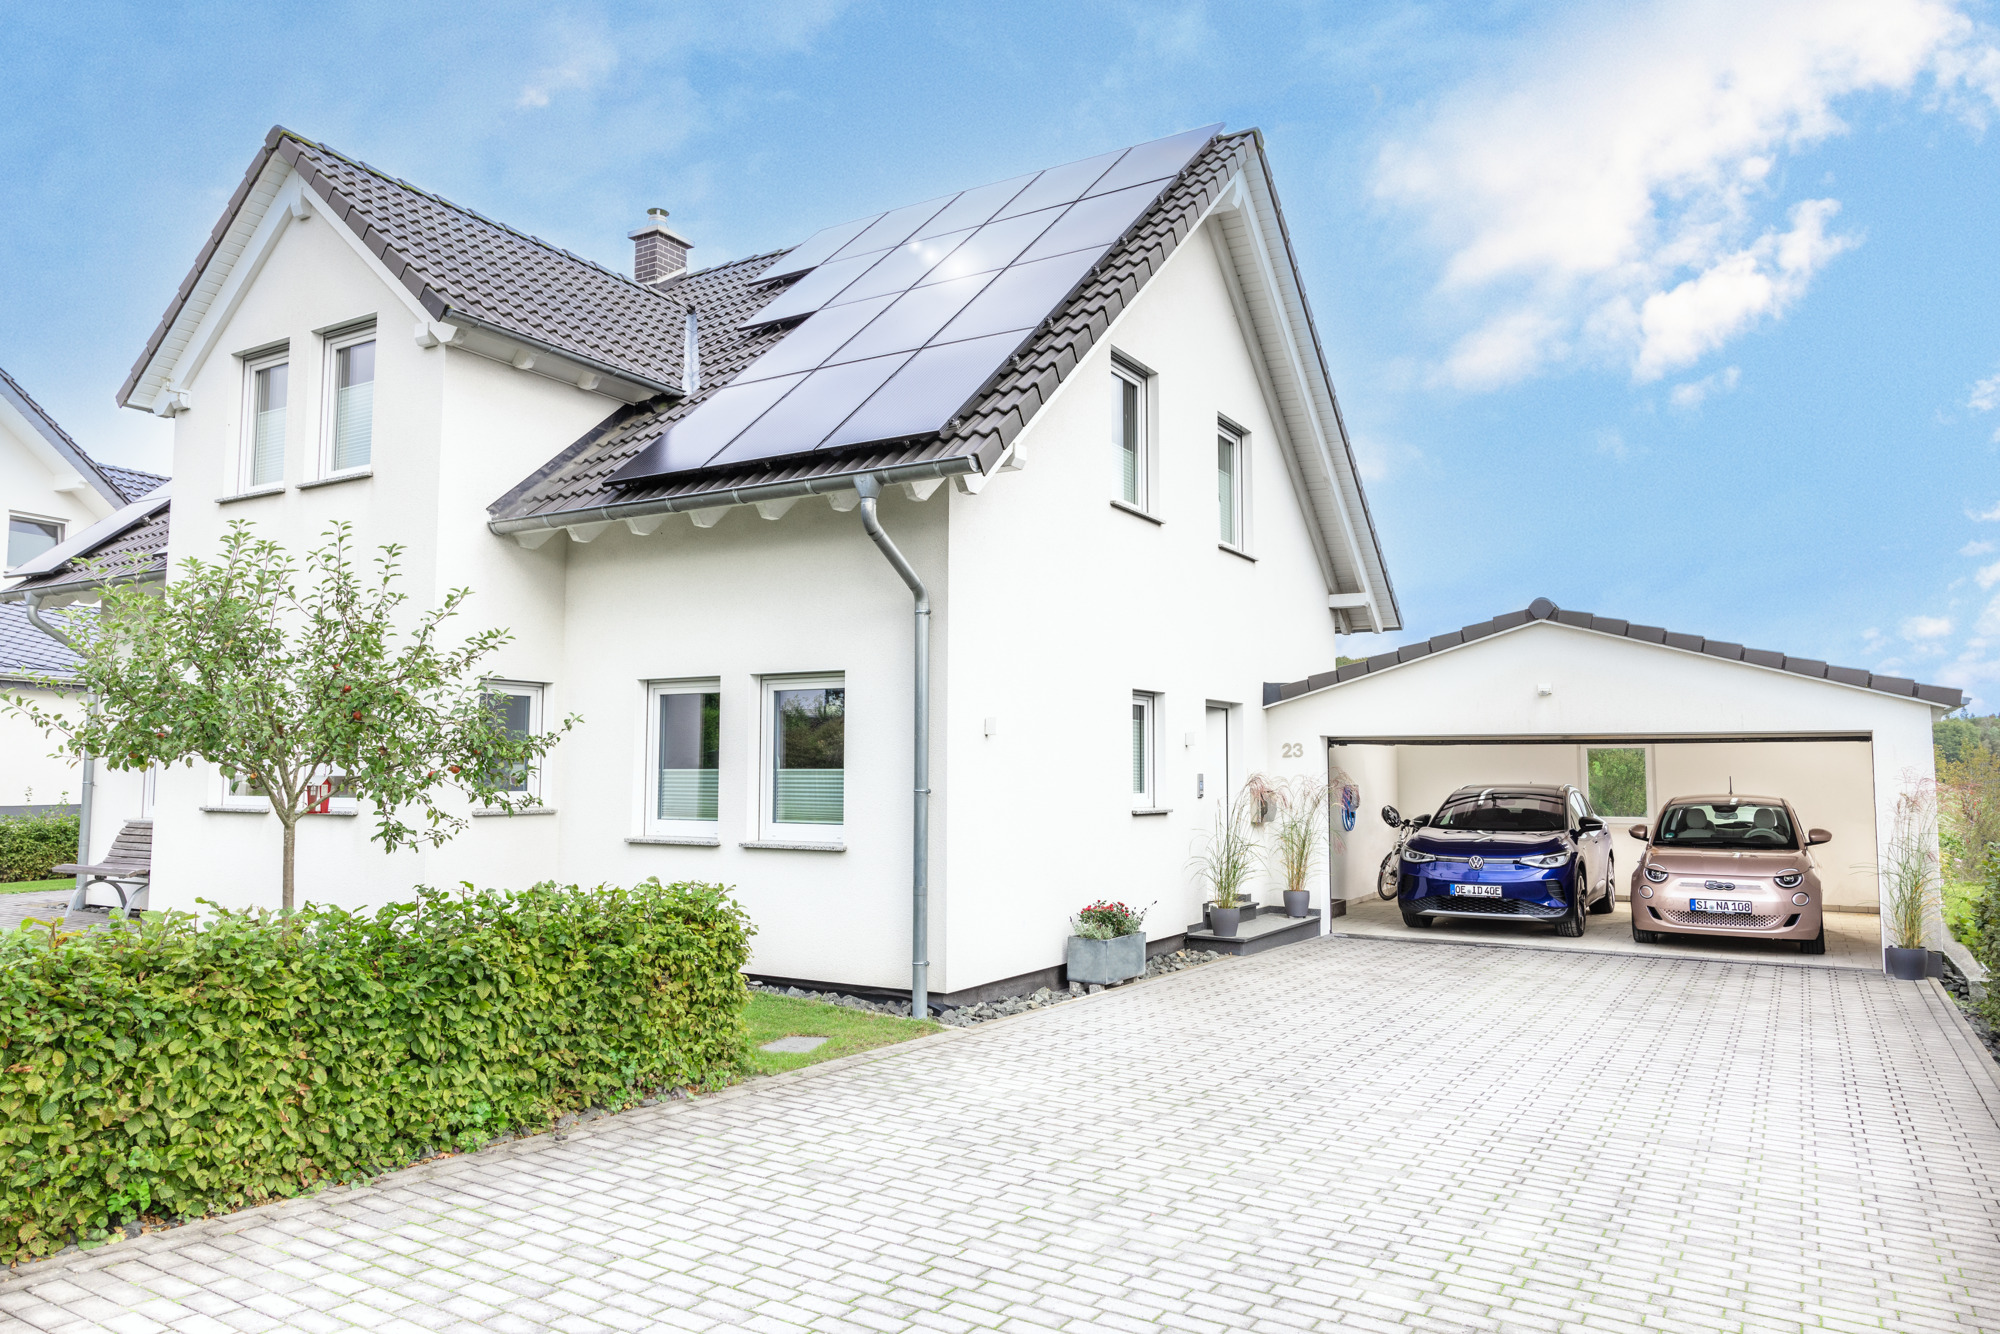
(172, 1071)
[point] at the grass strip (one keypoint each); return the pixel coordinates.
(37, 886)
(847, 1031)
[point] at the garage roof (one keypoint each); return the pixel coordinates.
(1541, 609)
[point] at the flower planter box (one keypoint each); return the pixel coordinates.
(1103, 962)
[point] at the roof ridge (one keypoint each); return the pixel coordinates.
(440, 200)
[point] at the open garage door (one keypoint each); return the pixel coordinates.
(1830, 780)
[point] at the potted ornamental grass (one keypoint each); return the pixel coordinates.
(1107, 944)
(1224, 861)
(1910, 884)
(1295, 811)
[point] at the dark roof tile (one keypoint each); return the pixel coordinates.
(1542, 609)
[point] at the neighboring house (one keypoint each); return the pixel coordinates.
(51, 491)
(1095, 406)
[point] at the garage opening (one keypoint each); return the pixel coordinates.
(1830, 780)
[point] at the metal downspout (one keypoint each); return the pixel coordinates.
(869, 488)
(36, 619)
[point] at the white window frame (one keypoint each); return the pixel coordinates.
(61, 527)
(650, 821)
(243, 801)
(1240, 501)
(246, 449)
(771, 828)
(532, 692)
(239, 801)
(1127, 372)
(1145, 769)
(330, 396)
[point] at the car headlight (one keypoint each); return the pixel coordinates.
(1655, 874)
(1547, 860)
(1788, 879)
(1412, 855)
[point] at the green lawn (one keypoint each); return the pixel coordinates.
(848, 1031)
(1959, 896)
(37, 886)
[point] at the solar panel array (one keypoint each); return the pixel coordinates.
(906, 314)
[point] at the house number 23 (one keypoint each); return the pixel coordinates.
(1292, 750)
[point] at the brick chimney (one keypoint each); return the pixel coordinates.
(658, 251)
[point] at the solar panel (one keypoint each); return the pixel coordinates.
(908, 313)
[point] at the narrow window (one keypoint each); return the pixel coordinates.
(264, 436)
(687, 745)
(353, 404)
(28, 538)
(1142, 751)
(1617, 780)
(1228, 486)
(808, 722)
(1134, 465)
(518, 708)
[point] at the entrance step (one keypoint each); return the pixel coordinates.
(1266, 931)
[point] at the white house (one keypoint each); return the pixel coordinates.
(51, 491)
(1104, 438)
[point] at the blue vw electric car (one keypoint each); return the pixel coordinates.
(1532, 854)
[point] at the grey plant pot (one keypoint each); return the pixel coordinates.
(1103, 962)
(1223, 920)
(1295, 902)
(1905, 965)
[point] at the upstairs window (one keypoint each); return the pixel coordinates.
(1133, 432)
(1229, 485)
(687, 748)
(29, 537)
(351, 402)
(268, 393)
(808, 755)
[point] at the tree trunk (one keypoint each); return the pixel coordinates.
(291, 846)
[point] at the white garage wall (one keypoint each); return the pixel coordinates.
(1373, 769)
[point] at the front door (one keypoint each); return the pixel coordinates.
(1213, 787)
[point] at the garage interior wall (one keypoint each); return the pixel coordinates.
(1830, 783)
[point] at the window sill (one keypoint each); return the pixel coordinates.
(785, 846)
(494, 813)
(676, 840)
(358, 475)
(1136, 512)
(1238, 552)
(1152, 810)
(274, 489)
(237, 810)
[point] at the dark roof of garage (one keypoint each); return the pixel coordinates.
(1541, 609)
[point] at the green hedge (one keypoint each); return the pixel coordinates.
(1986, 927)
(31, 844)
(172, 1071)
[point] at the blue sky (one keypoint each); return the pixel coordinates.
(1679, 312)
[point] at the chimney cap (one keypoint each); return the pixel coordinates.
(656, 225)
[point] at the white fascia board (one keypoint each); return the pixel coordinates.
(291, 204)
(1435, 654)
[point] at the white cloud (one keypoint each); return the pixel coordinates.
(1613, 195)
(1985, 395)
(1976, 549)
(1989, 576)
(585, 54)
(1694, 393)
(1919, 628)
(1985, 516)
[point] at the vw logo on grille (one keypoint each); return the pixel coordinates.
(1476, 863)
(1718, 884)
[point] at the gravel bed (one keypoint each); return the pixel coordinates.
(968, 1015)
(1954, 982)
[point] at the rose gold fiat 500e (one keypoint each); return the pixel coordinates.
(1729, 866)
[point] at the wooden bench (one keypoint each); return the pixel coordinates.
(127, 866)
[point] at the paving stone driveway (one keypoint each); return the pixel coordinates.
(1347, 1134)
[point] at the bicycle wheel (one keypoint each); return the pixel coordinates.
(1385, 882)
